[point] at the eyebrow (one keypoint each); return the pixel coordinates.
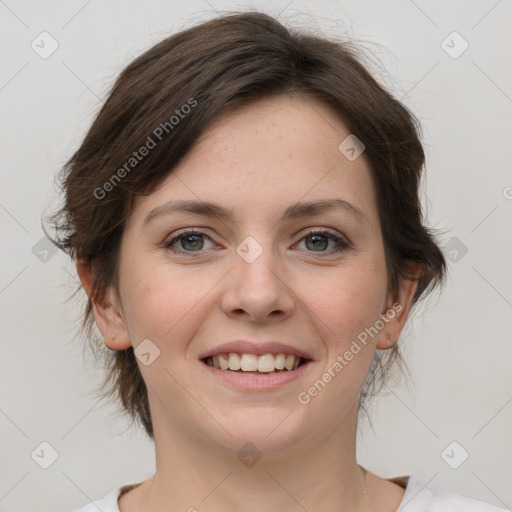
(295, 211)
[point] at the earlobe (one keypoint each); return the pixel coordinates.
(388, 337)
(107, 311)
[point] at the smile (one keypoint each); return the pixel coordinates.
(268, 364)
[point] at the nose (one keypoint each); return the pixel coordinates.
(258, 289)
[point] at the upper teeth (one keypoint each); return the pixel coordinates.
(251, 362)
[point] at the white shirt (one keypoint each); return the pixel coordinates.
(417, 498)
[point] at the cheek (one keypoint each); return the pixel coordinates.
(350, 299)
(162, 302)
(345, 305)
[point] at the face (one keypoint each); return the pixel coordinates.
(312, 282)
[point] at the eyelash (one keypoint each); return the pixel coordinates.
(342, 244)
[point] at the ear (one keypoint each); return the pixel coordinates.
(107, 312)
(401, 306)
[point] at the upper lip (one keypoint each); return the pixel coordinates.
(257, 348)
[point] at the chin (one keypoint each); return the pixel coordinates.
(269, 429)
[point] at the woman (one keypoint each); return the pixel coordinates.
(245, 220)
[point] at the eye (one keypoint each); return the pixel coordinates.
(191, 241)
(319, 240)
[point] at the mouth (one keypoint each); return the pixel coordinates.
(253, 364)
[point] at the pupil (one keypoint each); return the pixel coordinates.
(317, 237)
(194, 237)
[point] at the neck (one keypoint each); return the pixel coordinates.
(192, 474)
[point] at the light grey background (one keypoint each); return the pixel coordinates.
(458, 348)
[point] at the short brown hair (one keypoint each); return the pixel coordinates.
(215, 66)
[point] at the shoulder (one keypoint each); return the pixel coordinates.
(106, 504)
(418, 498)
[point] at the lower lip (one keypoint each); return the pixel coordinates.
(263, 382)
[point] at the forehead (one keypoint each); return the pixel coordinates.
(264, 156)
